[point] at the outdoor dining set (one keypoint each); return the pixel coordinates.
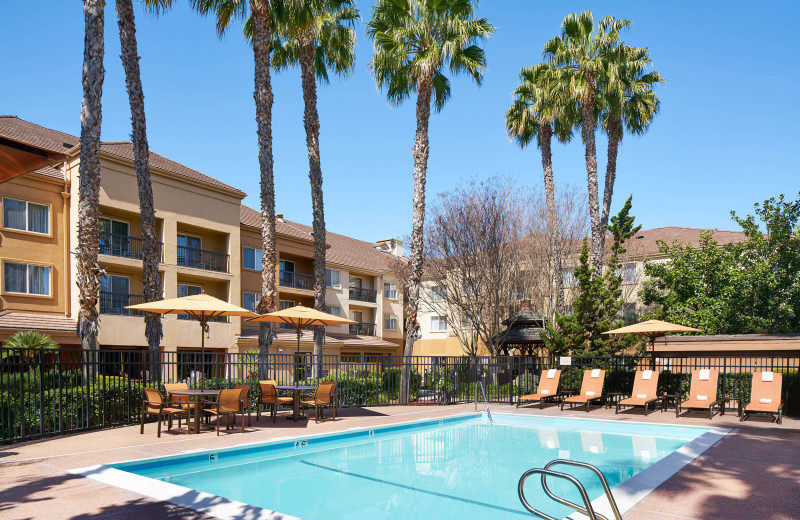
(194, 405)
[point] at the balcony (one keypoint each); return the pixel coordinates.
(123, 246)
(363, 295)
(115, 303)
(202, 259)
(362, 329)
(296, 280)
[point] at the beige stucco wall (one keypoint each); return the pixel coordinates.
(33, 248)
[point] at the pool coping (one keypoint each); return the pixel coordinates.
(626, 494)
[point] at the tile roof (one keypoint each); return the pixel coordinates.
(645, 243)
(330, 339)
(51, 172)
(12, 127)
(22, 321)
(343, 250)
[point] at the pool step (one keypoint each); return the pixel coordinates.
(545, 472)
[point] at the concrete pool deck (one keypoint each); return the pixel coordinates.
(753, 472)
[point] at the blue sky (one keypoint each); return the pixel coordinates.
(727, 135)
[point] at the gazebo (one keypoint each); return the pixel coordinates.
(522, 334)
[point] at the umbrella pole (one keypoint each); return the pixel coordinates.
(203, 353)
(298, 354)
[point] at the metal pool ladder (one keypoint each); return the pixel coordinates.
(485, 400)
(547, 472)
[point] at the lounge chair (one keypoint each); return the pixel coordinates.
(765, 396)
(702, 393)
(245, 402)
(269, 396)
(154, 404)
(591, 389)
(645, 388)
(548, 388)
(229, 403)
(325, 395)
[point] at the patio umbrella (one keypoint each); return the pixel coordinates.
(651, 329)
(301, 317)
(201, 307)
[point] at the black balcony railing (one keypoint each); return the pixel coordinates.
(115, 303)
(202, 259)
(362, 329)
(363, 295)
(123, 246)
(297, 280)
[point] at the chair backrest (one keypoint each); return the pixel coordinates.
(646, 387)
(762, 389)
(704, 385)
(171, 387)
(325, 392)
(548, 382)
(268, 382)
(268, 390)
(229, 398)
(592, 385)
(152, 399)
(245, 389)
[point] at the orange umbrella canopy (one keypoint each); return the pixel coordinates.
(199, 306)
(651, 327)
(300, 317)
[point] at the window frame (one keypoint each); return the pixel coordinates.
(573, 280)
(27, 265)
(626, 268)
(338, 285)
(392, 289)
(26, 230)
(329, 308)
(255, 258)
(439, 320)
(437, 290)
(387, 318)
(257, 299)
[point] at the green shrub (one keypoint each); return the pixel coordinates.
(526, 383)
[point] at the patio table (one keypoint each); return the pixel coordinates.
(296, 388)
(196, 395)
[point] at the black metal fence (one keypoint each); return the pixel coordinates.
(52, 392)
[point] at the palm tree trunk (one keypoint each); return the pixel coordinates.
(89, 182)
(311, 121)
(263, 98)
(545, 140)
(614, 136)
(420, 153)
(141, 159)
(591, 176)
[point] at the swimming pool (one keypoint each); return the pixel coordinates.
(457, 467)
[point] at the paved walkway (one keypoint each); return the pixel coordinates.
(754, 472)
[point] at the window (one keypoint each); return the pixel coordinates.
(628, 312)
(251, 258)
(465, 324)
(629, 273)
(568, 310)
(336, 311)
(390, 322)
(286, 273)
(438, 293)
(189, 251)
(187, 290)
(356, 282)
(26, 279)
(332, 278)
(250, 301)
(26, 216)
(390, 291)
(358, 317)
(568, 277)
(285, 304)
(115, 295)
(438, 323)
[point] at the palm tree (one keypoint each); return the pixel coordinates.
(414, 41)
(319, 36)
(88, 248)
(258, 14)
(141, 158)
(583, 51)
(541, 109)
(629, 100)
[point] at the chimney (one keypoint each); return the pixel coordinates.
(279, 216)
(390, 245)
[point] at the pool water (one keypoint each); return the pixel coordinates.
(460, 468)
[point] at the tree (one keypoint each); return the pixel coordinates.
(474, 263)
(736, 288)
(629, 102)
(583, 51)
(319, 36)
(88, 247)
(151, 254)
(30, 341)
(258, 15)
(541, 108)
(414, 41)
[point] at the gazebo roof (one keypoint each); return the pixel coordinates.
(524, 317)
(520, 335)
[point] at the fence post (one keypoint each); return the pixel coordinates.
(41, 394)
(511, 380)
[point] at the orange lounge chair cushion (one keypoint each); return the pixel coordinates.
(536, 397)
(637, 401)
(581, 398)
(763, 407)
(694, 403)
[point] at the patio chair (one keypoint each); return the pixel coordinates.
(325, 395)
(645, 388)
(548, 388)
(154, 404)
(245, 402)
(765, 396)
(228, 405)
(702, 393)
(591, 389)
(179, 401)
(269, 396)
